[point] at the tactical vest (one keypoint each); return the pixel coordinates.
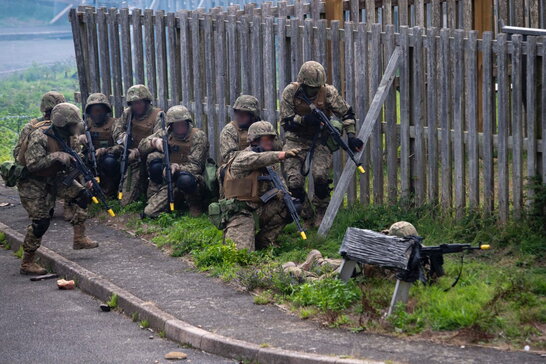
(143, 128)
(102, 135)
(36, 124)
(180, 149)
(302, 109)
(242, 189)
(242, 136)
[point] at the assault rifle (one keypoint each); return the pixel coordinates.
(274, 178)
(80, 168)
(167, 163)
(334, 133)
(124, 163)
(91, 148)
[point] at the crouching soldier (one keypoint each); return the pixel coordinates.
(143, 119)
(45, 182)
(188, 152)
(243, 188)
(100, 123)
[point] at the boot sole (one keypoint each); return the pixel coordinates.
(82, 248)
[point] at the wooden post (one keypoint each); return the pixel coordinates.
(483, 22)
(334, 11)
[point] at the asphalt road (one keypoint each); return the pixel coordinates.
(41, 324)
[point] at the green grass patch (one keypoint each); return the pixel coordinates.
(113, 301)
(19, 253)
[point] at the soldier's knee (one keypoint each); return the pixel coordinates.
(109, 164)
(186, 182)
(39, 227)
(155, 171)
(322, 189)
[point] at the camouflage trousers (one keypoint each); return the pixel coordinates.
(272, 218)
(38, 198)
(135, 184)
(158, 198)
(321, 166)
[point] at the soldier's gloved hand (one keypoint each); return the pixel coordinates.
(134, 155)
(82, 139)
(354, 143)
(61, 157)
(290, 125)
(292, 153)
(121, 138)
(311, 119)
(175, 167)
(100, 152)
(157, 143)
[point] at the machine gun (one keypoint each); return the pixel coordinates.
(334, 133)
(274, 178)
(124, 163)
(91, 148)
(167, 163)
(79, 168)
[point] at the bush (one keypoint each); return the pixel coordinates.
(329, 295)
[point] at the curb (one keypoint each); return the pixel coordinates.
(175, 329)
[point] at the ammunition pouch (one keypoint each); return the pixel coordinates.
(210, 179)
(222, 211)
(329, 142)
(12, 172)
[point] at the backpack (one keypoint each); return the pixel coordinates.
(12, 172)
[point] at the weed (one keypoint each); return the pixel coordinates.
(144, 324)
(134, 316)
(113, 301)
(19, 253)
(263, 298)
(162, 334)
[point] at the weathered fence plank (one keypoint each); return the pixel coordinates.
(349, 88)
(104, 53)
(432, 114)
(362, 93)
(488, 102)
(404, 113)
(471, 109)
(458, 122)
(185, 58)
(113, 35)
(136, 18)
(161, 49)
(149, 41)
(445, 150)
(517, 125)
(418, 170)
(503, 123)
(126, 49)
(270, 91)
(377, 137)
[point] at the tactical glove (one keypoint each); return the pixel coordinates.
(134, 155)
(311, 120)
(100, 152)
(292, 153)
(61, 157)
(354, 143)
(157, 143)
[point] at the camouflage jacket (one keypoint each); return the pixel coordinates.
(120, 126)
(248, 161)
(334, 103)
(196, 159)
(25, 132)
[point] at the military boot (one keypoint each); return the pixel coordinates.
(28, 266)
(80, 240)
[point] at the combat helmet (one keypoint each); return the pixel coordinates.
(312, 74)
(64, 114)
(402, 229)
(138, 92)
(50, 99)
(260, 129)
(97, 99)
(178, 113)
(249, 104)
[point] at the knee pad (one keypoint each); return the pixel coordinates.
(322, 189)
(155, 171)
(39, 227)
(109, 165)
(83, 199)
(299, 194)
(186, 182)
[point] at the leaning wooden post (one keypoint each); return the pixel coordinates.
(334, 11)
(364, 134)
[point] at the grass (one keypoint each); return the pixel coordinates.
(19, 253)
(144, 324)
(113, 302)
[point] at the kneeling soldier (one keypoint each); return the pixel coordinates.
(244, 187)
(100, 124)
(45, 182)
(188, 152)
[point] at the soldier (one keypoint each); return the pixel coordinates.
(144, 122)
(49, 100)
(234, 135)
(188, 151)
(303, 130)
(100, 122)
(242, 183)
(38, 191)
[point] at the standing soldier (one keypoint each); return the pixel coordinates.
(188, 152)
(144, 122)
(49, 100)
(234, 135)
(38, 191)
(100, 124)
(243, 189)
(303, 130)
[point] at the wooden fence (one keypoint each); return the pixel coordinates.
(427, 145)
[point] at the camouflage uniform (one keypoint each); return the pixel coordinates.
(49, 100)
(45, 163)
(242, 184)
(187, 156)
(300, 132)
(107, 151)
(136, 180)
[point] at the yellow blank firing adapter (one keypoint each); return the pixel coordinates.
(94, 199)
(97, 179)
(361, 169)
(171, 205)
(303, 235)
(120, 195)
(111, 212)
(485, 247)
